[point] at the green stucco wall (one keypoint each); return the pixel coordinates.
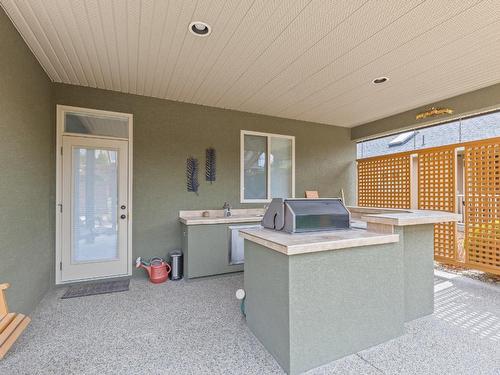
(27, 172)
(311, 309)
(167, 132)
(470, 103)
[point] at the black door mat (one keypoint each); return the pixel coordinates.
(97, 288)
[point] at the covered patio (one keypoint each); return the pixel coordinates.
(249, 187)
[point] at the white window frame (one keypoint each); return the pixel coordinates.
(60, 132)
(269, 137)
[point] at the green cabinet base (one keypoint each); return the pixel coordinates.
(206, 250)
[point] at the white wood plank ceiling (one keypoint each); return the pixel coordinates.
(311, 60)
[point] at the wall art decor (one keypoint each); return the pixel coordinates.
(192, 174)
(210, 164)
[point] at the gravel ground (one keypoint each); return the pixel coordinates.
(472, 274)
(462, 271)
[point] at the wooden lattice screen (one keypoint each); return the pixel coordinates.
(436, 191)
(482, 197)
(384, 182)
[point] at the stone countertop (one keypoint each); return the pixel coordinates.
(238, 215)
(302, 243)
(399, 217)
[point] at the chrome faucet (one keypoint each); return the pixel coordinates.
(227, 209)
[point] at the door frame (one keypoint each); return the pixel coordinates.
(61, 110)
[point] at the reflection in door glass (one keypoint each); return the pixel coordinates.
(95, 199)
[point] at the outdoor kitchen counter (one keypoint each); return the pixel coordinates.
(399, 217)
(301, 243)
(238, 215)
(380, 230)
(312, 298)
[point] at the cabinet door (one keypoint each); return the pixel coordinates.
(208, 251)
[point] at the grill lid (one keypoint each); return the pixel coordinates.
(306, 215)
(316, 206)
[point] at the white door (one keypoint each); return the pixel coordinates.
(94, 208)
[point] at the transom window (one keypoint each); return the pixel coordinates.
(267, 166)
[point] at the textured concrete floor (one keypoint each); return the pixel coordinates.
(196, 327)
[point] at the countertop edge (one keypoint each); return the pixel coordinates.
(315, 247)
(221, 220)
(406, 221)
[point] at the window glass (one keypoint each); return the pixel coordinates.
(267, 156)
(255, 167)
(95, 207)
(281, 167)
(96, 125)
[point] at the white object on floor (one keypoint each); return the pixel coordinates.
(240, 294)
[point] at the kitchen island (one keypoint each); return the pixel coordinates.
(312, 298)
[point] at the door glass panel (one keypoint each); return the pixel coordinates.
(255, 164)
(95, 125)
(95, 200)
(281, 167)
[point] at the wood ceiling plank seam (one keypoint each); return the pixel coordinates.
(472, 81)
(30, 39)
(189, 59)
(61, 18)
(109, 42)
(85, 29)
(365, 74)
(329, 82)
(237, 53)
(133, 35)
(173, 12)
(444, 93)
(147, 14)
(162, 81)
(256, 45)
(42, 38)
(311, 49)
(449, 65)
(137, 59)
(275, 92)
(231, 35)
(74, 26)
(118, 47)
(178, 55)
(201, 64)
(186, 15)
(412, 77)
(278, 61)
(95, 14)
(268, 97)
(53, 34)
(162, 13)
(82, 18)
(353, 89)
(223, 33)
(475, 86)
(328, 86)
(284, 30)
(126, 47)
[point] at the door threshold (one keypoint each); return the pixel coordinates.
(93, 280)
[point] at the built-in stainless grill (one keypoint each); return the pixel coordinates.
(306, 215)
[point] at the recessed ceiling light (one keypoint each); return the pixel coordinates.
(380, 80)
(199, 28)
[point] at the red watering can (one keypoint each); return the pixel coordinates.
(157, 268)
